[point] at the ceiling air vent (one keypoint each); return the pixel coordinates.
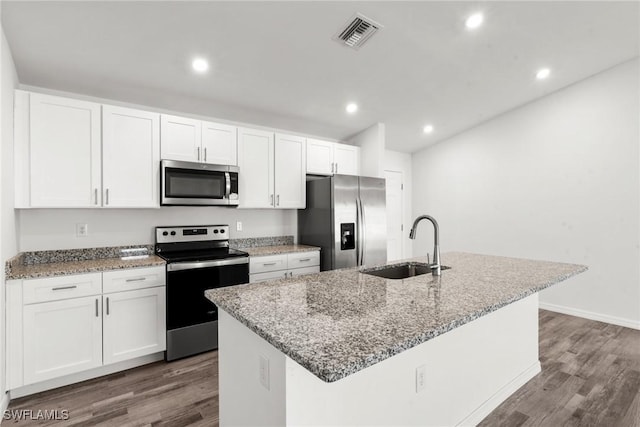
(357, 31)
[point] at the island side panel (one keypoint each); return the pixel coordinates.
(469, 372)
(244, 401)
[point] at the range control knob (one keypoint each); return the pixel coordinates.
(165, 233)
(215, 231)
(222, 230)
(173, 233)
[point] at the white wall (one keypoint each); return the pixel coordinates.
(557, 179)
(8, 247)
(372, 145)
(401, 162)
(44, 229)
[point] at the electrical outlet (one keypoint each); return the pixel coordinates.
(82, 230)
(264, 371)
(238, 225)
(421, 378)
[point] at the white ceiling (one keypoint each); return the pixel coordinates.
(275, 64)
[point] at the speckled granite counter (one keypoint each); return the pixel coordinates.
(339, 322)
(278, 249)
(29, 265)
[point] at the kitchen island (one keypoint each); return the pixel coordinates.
(346, 348)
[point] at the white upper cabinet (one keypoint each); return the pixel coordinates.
(181, 138)
(328, 158)
(130, 157)
(197, 141)
(68, 155)
(219, 144)
(256, 162)
(272, 169)
(63, 153)
(319, 157)
(346, 159)
(290, 166)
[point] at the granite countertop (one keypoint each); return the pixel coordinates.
(336, 323)
(30, 265)
(278, 249)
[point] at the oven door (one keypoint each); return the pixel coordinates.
(188, 183)
(187, 282)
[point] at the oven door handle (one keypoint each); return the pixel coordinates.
(193, 265)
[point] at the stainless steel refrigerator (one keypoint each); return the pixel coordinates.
(345, 216)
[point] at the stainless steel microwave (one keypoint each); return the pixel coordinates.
(198, 184)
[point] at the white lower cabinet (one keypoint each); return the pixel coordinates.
(281, 266)
(61, 338)
(64, 325)
(134, 324)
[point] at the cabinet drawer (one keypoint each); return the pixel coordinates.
(59, 288)
(136, 278)
(263, 264)
(303, 259)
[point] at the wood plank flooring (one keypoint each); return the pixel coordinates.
(590, 377)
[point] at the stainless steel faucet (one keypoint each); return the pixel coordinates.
(435, 267)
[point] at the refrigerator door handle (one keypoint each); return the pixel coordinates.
(358, 232)
(363, 238)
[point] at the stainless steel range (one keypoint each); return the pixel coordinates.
(198, 258)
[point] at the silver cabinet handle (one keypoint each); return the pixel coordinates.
(139, 279)
(336, 167)
(332, 167)
(198, 153)
(268, 263)
(107, 306)
(286, 274)
(96, 307)
(106, 200)
(95, 195)
(278, 200)
(291, 275)
(304, 259)
(271, 203)
(205, 154)
(64, 287)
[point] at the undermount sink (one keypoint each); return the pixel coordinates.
(402, 271)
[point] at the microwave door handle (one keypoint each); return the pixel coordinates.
(227, 179)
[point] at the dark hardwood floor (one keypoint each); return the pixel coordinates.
(590, 377)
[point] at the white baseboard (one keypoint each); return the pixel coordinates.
(620, 321)
(84, 375)
(500, 396)
(4, 404)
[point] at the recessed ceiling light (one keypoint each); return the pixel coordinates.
(543, 73)
(200, 65)
(474, 21)
(427, 129)
(352, 108)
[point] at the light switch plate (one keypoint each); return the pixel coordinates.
(238, 225)
(82, 230)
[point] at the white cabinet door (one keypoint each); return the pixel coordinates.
(134, 324)
(219, 144)
(180, 138)
(270, 275)
(319, 157)
(347, 159)
(256, 161)
(290, 171)
(305, 270)
(61, 337)
(130, 157)
(65, 152)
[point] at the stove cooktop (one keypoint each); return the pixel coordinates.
(202, 255)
